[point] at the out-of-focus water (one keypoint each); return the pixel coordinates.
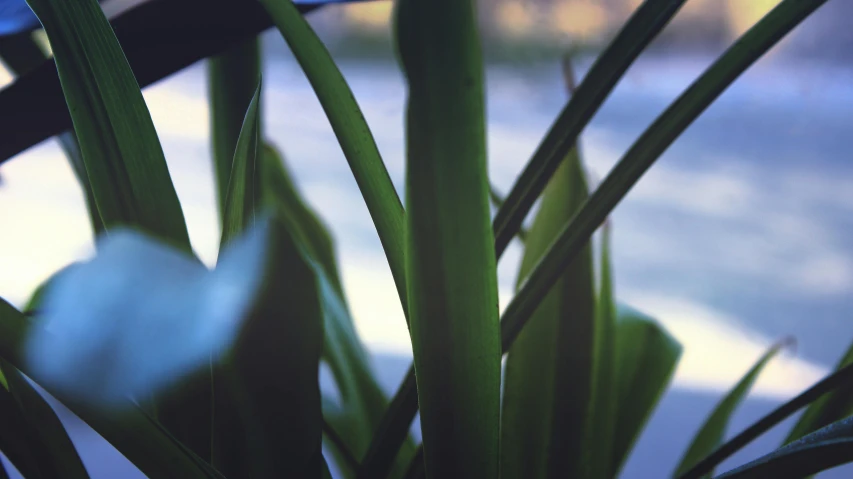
(741, 234)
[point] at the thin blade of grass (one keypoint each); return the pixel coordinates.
(657, 138)
(352, 132)
(643, 26)
(450, 260)
(550, 368)
(232, 79)
(713, 431)
(121, 151)
(823, 449)
(646, 357)
(132, 433)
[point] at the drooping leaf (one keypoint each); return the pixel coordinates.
(646, 356)
(830, 408)
(232, 79)
(352, 132)
(120, 148)
(823, 449)
(450, 261)
(131, 432)
(551, 367)
(713, 431)
(362, 402)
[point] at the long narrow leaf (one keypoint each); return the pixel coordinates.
(643, 26)
(646, 356)
(821, 450)
(748, 49)
(121, 151)
(712, 432)
(232, 79)
(550, 368)
(352, 132)
(450, 261)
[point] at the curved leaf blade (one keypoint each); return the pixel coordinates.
(643, 26)
(120, 148)
(712, 432)
(352, 132)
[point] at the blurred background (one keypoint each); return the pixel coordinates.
(740, 235)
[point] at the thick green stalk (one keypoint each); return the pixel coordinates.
(450, 259)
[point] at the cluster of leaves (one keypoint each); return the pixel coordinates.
(583, 374)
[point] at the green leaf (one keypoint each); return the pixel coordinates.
(243, 198)
(712, 432)
(623, 177)
(821, 450)
(232, 79)
(450, 260)
(352, 132)
(120, 148)
(643, 26)
(832, 407)
(362, 400)
(551, 367)
(836, 380)
(646, 357)
(131, 432)
(42, 435)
